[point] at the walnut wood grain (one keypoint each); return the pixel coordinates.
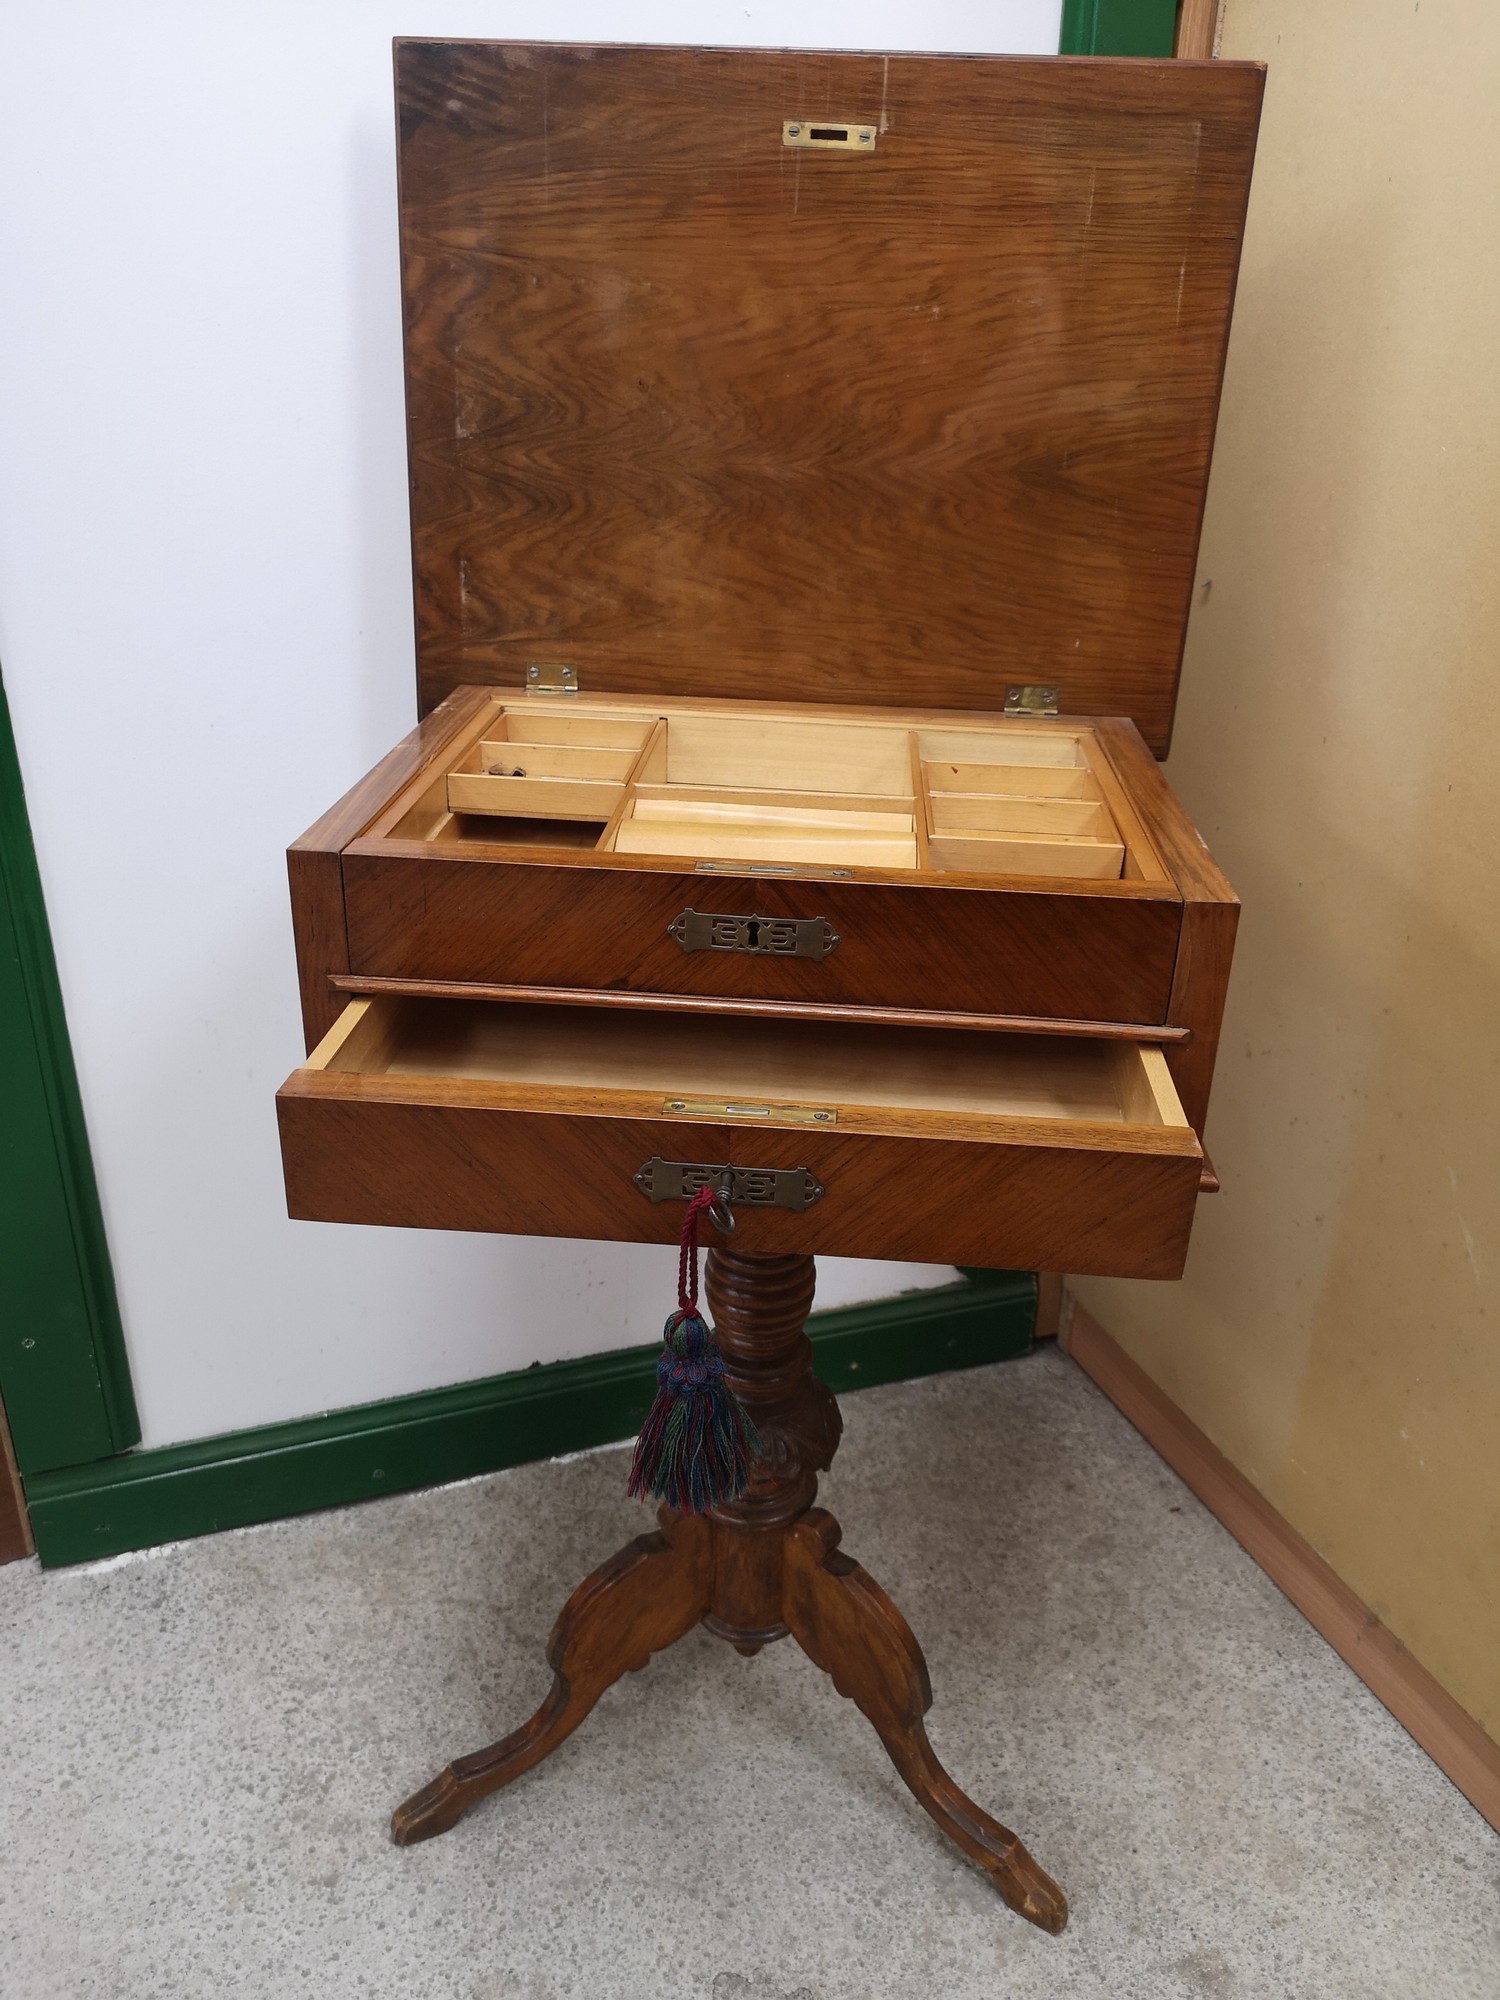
(1182, 847)
(753, 1571)
(424, 914)
(759, 1307)
(916, 424)
(632, 1606)
(446, 1153)
(1210, 917)
(315, 878)
(315, 867)
(846, 1625)
(1200, 985)
(784, 1010)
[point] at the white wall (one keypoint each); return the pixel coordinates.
(205, 630)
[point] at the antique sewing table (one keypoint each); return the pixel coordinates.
(807, 459)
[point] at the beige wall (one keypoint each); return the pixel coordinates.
(1338, 740)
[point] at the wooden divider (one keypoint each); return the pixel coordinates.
(788, 787)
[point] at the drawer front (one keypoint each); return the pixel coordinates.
(453, 1167)
(1072, 955)
(936, 1144)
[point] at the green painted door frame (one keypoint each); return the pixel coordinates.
(64, 1378)
(1117, 27)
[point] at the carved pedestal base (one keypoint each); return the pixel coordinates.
(764, 1567)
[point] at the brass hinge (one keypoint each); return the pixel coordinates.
(1032, 701)
(552, 679)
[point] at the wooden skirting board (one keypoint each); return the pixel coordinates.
(1453, 1740)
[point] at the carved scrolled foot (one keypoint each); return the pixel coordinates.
(847, 1625)
(641, 1600)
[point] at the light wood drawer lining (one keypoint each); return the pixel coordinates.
(971, 1075)
(791, 788)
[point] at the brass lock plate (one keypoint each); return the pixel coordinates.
(784, 937)
(753, 1187)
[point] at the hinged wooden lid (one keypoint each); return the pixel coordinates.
(705, 408)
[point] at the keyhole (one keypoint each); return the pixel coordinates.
(752, 935)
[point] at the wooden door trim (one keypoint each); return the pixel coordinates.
(1197, 29)
(1117, 27)
(1185, 28)
(63, 1369)
(15, 1527)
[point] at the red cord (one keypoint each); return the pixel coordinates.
(687, 1263)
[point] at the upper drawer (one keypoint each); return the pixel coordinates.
(666, 929)
(937, 1145)
(958, 864)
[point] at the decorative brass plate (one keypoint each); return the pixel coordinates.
(756, 1187)
(778, 868)
(729, 1107)
(828, 135)
(787, 937)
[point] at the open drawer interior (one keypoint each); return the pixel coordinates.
(731, 784)
(761, 1072)
(1024, 1152)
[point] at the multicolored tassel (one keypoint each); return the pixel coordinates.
(695, 1447)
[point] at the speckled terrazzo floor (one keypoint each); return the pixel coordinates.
(199, 1750)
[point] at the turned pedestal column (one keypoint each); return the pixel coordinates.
(762, 1568)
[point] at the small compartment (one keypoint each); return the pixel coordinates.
(540, 724)
(787, 754)
(1008, 744)
(837, 829)
(493, 830)
(1017, 781)
(1039, 813)
(969, 812)
(550, 766)
(1028, 854)
(775, 790)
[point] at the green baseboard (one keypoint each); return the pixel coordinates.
(142, 1498)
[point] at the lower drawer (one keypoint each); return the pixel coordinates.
(941, 1146)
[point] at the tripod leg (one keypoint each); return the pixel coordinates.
(641, 1600)
(847, 1625)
